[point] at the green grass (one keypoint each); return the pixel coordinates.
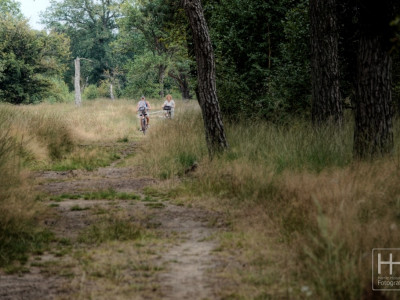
(78, 208)
(85, 159)
(155, 205)
(111, 228)
(149, 199)
(63, 197)
(19, 239)
(109, 194)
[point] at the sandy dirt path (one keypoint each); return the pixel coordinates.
(185, 264)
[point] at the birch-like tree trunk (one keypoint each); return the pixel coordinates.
(111, 92)
(78, 98)
(206, 89)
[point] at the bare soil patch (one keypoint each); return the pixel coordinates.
(175, 264)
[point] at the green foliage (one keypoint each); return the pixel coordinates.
(91, 92)
(261, 56)
(146, 29)
(290, 82)
(28, 58)
(10, 7)
(58, 91)
(142, 77)
(91, 26)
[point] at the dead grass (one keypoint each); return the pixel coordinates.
(56, 137)
(304, 216)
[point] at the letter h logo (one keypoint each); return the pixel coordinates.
(390, 263)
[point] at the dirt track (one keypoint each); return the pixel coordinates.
(182, 261)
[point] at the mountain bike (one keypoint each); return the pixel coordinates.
(143, 119)
(167, 111)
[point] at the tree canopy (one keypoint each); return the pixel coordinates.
(262, 52)
(28, 60)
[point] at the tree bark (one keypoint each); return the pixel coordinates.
(185, 89)
(78, 98)
(206, 90)
(326, 102)
(161, 76)
(373, 133)
(183, 84)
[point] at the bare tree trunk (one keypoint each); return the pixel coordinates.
(326, 103)
(206, 90)
(111, 92)
(78, 99)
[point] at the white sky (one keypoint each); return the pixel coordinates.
(31, 10)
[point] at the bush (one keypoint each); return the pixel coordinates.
(91, 92)
(58, 92)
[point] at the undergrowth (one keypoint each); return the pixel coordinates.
(305, 215)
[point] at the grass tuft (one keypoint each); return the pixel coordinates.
(111, 228)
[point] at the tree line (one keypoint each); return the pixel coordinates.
(275, 60)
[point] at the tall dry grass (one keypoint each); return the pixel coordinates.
(50, 136)
(19, 232)
(305, 215)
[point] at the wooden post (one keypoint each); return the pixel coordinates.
(78, 98)
(111, 91)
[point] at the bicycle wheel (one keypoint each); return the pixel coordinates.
(144, 125)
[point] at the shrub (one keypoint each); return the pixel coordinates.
(91, 92)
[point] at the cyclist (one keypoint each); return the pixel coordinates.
(171, 103)
(143, 103)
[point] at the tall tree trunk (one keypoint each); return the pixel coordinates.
(206, 90)
(373, 134)
(183, 84)
(78, 99)
(185, 90)
(161, 76)
(326, 102)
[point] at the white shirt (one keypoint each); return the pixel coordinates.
(170, 103)
(142, 103)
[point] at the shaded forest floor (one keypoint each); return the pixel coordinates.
(117, 237)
